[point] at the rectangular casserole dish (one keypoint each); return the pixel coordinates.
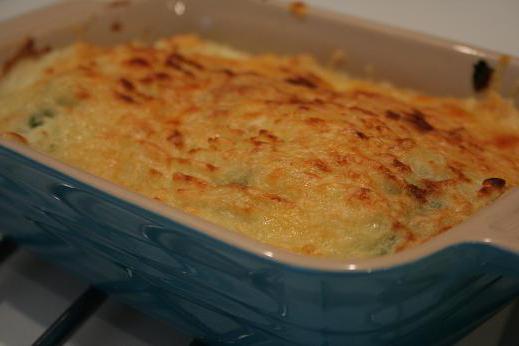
(226, 288)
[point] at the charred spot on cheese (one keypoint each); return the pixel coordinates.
(210, 167)
(417, 192)
(321, 165)
(127, 84)
(301, 81)
(392, 115)
(481, 75)
(267, 133)
(402, 167)
(277, 148)
(116, 26)
(138, 62)
(162, 76)
(184, 60)
(189, 180)
(176, 138)
(417, 119)
(173, 62)
(124, 97)
(227, 71)
(361, 135)
(183, 64)
(506, 140)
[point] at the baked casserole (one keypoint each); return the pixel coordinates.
(278, 148)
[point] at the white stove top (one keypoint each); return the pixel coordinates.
(34, 293)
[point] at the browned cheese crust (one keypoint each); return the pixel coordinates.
(276, 148)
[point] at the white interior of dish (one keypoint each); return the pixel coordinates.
(373, 50)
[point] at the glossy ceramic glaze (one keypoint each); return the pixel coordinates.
(219, 286)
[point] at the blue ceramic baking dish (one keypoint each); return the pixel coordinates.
(224, 287)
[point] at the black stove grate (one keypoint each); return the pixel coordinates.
(74, 316)
(7, 248)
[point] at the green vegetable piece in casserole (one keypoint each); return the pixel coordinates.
(38, 118)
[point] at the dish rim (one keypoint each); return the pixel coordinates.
(450, 238)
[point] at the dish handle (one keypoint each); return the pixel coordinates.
(496, 226)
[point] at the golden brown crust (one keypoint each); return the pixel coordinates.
(273, 147)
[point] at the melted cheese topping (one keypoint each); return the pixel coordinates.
(273, 147)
